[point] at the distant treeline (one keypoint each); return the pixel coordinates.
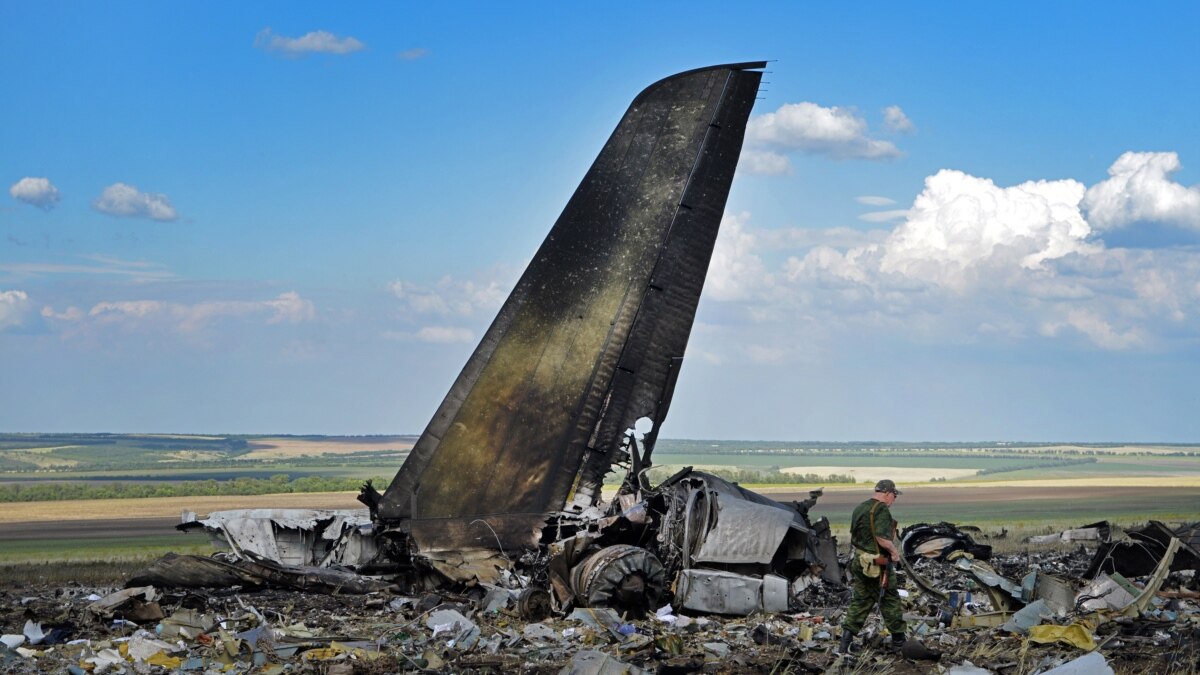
(874, 449)
(1049, 463)
(280, 484)
(386, 458)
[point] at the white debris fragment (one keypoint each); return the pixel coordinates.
(1088, 664)
(968, 668)
(34, 633)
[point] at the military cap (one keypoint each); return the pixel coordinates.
(886, 485)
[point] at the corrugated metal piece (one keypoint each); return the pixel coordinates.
(591, 338)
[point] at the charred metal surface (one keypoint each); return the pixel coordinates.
(592, 336)
(939, 541)
(1145, 548)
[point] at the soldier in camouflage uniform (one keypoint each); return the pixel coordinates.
(871, 532)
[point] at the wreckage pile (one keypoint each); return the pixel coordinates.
(979, 613)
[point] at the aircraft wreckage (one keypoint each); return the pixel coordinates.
(503, 488)
(504, 485)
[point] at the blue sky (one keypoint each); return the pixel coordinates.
(949, 222)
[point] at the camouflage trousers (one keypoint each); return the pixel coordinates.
(865, 595)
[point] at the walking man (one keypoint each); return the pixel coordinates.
(871, 562)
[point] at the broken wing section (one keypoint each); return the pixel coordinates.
(591, 338)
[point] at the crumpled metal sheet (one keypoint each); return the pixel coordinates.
(1088, 664)
(1104, 593)
(938, 541)
(1100, 531)
(744, 532)
(1027, 617)
(1004, 593)
(293, 536)
(592, 337)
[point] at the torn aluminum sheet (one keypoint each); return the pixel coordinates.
(592, 662)
(303, 537)
(743, 532)
(1100, 531)
(1103, 593)
(1027, 617)
(1058, 594)
(137, 603)
(1088, 664)
(1005, 594)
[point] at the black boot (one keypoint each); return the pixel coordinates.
(898, 640)
(847, 638)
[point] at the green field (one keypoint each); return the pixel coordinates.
(158, 459)
(1007, 466)
(1173, 506)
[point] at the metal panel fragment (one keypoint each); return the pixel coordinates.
(718, 592)
(320, 537)
(744, 532)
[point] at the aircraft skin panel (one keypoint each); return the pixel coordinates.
(612, 289)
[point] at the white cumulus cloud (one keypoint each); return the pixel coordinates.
(127, 201)
(734, 267)
(444, 334)
(960, 221)
(764, 162)
(884, 216)
(315, 42)
(453, 297)
(413, 54)
(809, 128)
(873, 200)
(895, 120)
(39, 192)
(1097, 329)
(972, 261)
(14, 306)
(288, 307)
(1139, 188)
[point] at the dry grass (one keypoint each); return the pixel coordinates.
(85, 572)
(283, 448)
(39, 457)
(159, 507)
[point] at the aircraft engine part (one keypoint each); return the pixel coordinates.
(533, 604)
(625, 577)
